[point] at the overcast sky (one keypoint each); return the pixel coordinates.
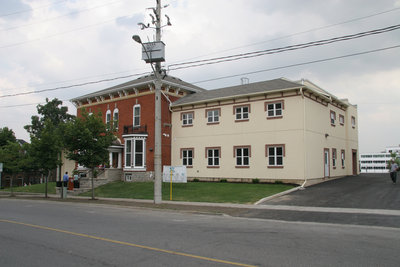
(46, 44)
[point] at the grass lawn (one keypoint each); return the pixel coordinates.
(35, 188)
(192, 191)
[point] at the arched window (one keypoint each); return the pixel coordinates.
(116, 118)
(108, 117)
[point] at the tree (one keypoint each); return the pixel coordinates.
(13, 157)
(50, 111)
(46, 134)
(45, 149)
(87, 140)
(6, 135)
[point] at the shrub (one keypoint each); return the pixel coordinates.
(196, 180)
(223, 181)
(278, 182)
(256, 181)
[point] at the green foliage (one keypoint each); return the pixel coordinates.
(196, 180)
(45, 148)
(51, 111)
(223, 181)
(13, 157)
(87, 140)
(6, 135)
(256, 181)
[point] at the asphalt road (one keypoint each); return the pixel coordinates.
(49, 233)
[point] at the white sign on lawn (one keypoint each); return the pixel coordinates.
(1, 167)
(178, 174)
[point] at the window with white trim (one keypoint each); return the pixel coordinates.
(242, 155)
(334, 157)
(342, 156)
(116, 118)
(333, 117)
(213, 116)
(187, 118)
(275, 154)
(213, 155)
(341, 119)
(128, 153)
(108, 117)
(353, 121)
(136, 115)
(135, 153)
(274, 109)
(187, 157)
(242, 113)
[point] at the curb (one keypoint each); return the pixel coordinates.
(278, 195)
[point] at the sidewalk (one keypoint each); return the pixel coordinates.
(350, 200)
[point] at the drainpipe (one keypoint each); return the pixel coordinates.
(304, 138)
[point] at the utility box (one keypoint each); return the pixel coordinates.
(153, 52)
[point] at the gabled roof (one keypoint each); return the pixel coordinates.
(237, 91)
(142, 82)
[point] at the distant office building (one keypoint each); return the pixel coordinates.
(377, 162)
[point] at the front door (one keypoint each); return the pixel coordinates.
(326, 162)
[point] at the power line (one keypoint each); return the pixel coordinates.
(74, 85)
(210, 61)
(220, 78)
(302, 32)
(300, 64)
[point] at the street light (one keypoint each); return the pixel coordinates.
(157, 125)
(137, 39)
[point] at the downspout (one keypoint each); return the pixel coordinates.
(304, 139)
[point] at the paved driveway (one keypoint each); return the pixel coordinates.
(366, 191)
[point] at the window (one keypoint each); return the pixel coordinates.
(116, 118)
(342, 158)
(333, 117)
(128, 153)
(334, 158)
(187, 155)
(136, 115)
(274, 109)
(213, 154)
(353, 121)
(108, 117)
(341, 119)
(213, 116)
(187, 118)
(275, 154)
(241, 112)
(135, 153)
(242, 155)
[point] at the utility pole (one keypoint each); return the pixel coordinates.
(157, 112)
(157, 95)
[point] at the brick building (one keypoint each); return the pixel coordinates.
(129, 109)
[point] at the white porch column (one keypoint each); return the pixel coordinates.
(111, 159)
(119, 160)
